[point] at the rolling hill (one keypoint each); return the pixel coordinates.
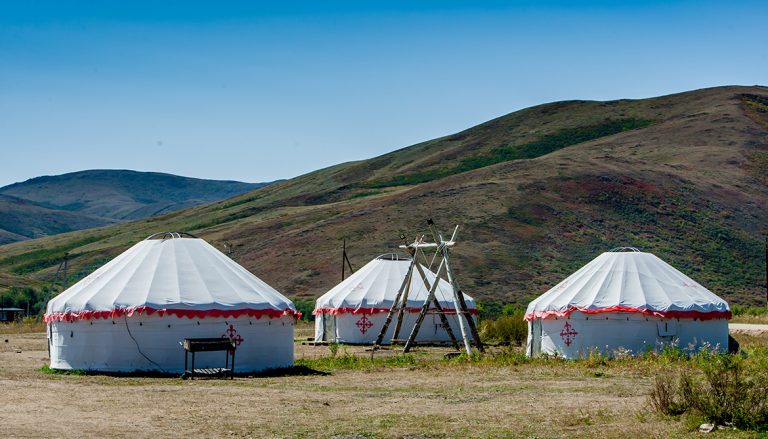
(537, 193)
(22, 219)
(81, 200)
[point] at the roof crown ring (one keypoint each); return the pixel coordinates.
(625, 249)
(170, 235)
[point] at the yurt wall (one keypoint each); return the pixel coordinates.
(364, 328)
(579, 334)
(153, 343)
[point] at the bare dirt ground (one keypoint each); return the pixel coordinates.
(453, 400)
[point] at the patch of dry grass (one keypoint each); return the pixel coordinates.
(22, 328)
(748, 341)
(502, 394)
(758, 320)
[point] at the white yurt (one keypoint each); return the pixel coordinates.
(626, 301)
(133, 313)
(354, 311)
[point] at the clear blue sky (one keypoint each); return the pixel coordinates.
(257, 91)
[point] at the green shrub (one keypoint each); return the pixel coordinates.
(752, 311)
(723, 389)
(670, 394)
(334, 349)
(509, 328)
(305, 307)
(489, 310)
(28, 320)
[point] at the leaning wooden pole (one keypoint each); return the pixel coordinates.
(60, 271)
(441, 313)
(393, 309)
(461, 303)
(343, 258)
(423, 312)
(403, 304)
(456, 292)
(471, 323)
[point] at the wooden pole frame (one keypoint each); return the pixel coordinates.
(345, 259)
(401, 302)
(462, 312)
(466, 322)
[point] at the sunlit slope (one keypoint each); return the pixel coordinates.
(81, 200)
(538, 193)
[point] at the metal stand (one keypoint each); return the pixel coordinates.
(193, 345)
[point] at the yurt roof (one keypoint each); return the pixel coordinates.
(374, 287)
(169, 273)
(629, 281)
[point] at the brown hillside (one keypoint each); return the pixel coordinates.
(682, 176)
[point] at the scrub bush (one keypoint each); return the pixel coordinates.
(723, 389)
(305, 307)
(509, 328)
(751, 311)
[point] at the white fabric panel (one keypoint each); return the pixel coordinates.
(178, 273)
(365, 328)
(106, 345)
(319, 330)
(377, 283)
(611, 332)
(628, 279)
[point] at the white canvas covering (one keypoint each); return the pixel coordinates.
(155, 294)
(354, 311)
(625, 301)
(151, 343)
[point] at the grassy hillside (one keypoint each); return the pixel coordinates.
(538, 193)
(80, 200)
(22, 219)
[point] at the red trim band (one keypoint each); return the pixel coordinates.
(188, 313)
(337, 311)
(701, 315)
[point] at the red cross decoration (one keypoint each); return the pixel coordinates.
(232, 334)
(568, 334)
(364, 324)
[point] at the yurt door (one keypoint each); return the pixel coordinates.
(329, 327)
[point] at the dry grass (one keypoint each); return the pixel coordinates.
(750, 341)
(22, 328)
(758, 320)
(430, 398)
(447, 401)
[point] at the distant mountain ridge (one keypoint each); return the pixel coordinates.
(80, 200)
(22, 219)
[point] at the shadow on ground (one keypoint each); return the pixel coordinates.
(269, 373)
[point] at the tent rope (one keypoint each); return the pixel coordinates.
(125, 318)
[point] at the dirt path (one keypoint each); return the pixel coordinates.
(748, 328)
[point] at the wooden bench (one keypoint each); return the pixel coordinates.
(194, 345)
